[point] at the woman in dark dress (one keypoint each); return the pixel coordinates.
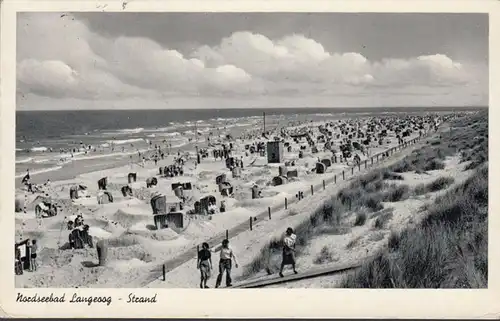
(204, 264)
(288, 251)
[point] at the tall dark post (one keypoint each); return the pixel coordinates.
(269, 211)
(251, 226)
(286, 203)
(343, 175)
(312, 190)
(164, 272)
(264, 116)
(227, 234)
(102, 252)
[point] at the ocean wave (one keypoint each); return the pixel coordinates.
(121, 132)
(238, 125)
(172, 134)
(180, 144)
(124, 141)
(39, 149)
(40, 171)
(42, 160)
(90, 156)
(131, 130)
(24, 160)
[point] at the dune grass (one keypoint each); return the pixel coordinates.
(434, 186)
(324, 256)
(382, 220)
(449, 248)
(360, 219)
(470, 141)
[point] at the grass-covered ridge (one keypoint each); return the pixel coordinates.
(449, 248)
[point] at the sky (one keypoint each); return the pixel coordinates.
(250, 60)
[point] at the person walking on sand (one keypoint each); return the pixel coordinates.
(225, 263)
(288, 251)
(204, 264)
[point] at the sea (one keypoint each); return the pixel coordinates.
(52, 141)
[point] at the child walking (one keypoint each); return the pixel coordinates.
(33, 250)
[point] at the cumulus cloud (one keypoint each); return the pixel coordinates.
(62, 58)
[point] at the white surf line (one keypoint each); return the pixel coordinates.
(188, 255)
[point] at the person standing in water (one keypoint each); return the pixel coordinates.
(288, 251)
(225, 263)
(204, 264)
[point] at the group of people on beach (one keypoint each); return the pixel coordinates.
(227, 256)
(79, 237)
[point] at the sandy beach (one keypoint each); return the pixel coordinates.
(308, 154)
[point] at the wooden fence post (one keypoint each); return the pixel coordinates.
(269, 211)
(343, 175)
(164, 272)
(324, 186)
(335, 179)
(227, 234)
(251, 221)
(286, 203)
(312, 190)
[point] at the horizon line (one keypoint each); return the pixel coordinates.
(235, 108)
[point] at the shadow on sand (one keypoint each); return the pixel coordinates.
(89, 264)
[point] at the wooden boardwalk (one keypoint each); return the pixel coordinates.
(276, 279)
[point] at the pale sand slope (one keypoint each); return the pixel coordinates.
(366, 240)
(127, 222)
(247, 245)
